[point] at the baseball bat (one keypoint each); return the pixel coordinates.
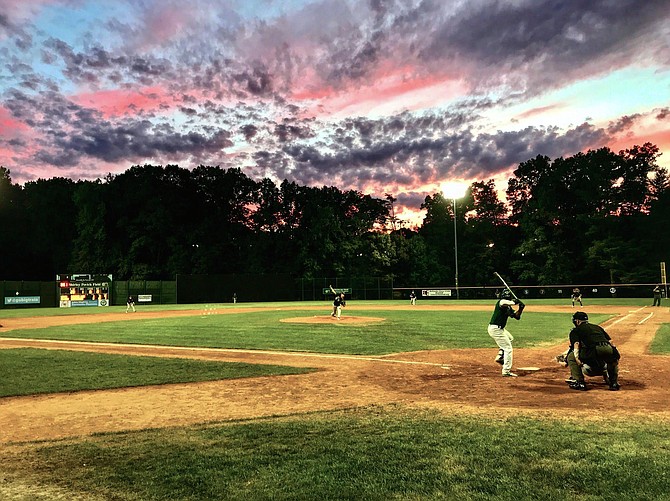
(505, 284)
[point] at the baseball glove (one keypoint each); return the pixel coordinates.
(562, 358)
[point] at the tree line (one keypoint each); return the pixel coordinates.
(595, 217)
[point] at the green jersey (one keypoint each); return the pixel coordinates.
(502, 311)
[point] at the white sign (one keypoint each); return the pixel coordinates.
(436, 292)
(144, 298)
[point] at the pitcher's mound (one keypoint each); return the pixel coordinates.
(327, 319)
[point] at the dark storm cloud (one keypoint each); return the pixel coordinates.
(624, 123)
(552, 38)
(416, 150)
(249, 131)
(98, 64)
(116, 142)
(257, 81)
(72, 133)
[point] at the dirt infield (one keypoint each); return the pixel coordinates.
(449, 380)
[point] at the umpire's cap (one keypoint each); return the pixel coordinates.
(580, 315)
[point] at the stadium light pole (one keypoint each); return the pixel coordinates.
(454, 191)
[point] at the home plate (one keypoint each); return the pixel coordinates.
(528, 368)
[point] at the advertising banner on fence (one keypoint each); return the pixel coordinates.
(14, 300)
(436, 292)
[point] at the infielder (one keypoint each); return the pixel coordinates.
(502, 311)
(412, 298)
(338, 303)
(130, 304)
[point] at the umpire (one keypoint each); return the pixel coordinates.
(593, 355)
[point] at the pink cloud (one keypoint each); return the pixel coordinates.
(395, 89)
(538, 111)
(19, 10)
(117, 102)
(9, 125)
(163, 23)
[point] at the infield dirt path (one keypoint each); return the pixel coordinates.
(449, 380)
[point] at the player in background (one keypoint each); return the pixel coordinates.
(130, 304)
(496, 329)
(412, 298)
(657, 295)
(338, 303)
(576, 296)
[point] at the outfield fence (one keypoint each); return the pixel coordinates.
(531, 291)
(193, 289)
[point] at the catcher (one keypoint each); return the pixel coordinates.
(591, 353)
(338, 303)
(496, 329)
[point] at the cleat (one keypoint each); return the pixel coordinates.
(509, 374)
(615, 387)
(578, 385)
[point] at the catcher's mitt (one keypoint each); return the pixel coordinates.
(562, 358)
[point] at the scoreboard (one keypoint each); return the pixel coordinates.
(83, 289)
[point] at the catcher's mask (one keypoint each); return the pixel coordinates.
(579, 315)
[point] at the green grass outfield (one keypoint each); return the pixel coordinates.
(402, 330)
(374, 453)
(327, 305)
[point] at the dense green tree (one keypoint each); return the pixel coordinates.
(91, 250)
(594, 217)
(13, 241)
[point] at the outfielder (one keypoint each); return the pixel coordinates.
(502, 311)
(412, 298)
(338, 303)
(591, 353)
(576, 296)
(657, 295)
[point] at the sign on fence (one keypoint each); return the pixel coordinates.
(436, 292)
(22, 299)
(346, 290)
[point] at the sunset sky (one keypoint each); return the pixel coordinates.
(380, 96)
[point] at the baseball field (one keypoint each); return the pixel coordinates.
(282, 401)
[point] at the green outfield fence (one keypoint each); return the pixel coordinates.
(192, 289)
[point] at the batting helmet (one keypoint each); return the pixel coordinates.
(506, 294)
(580, 315)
